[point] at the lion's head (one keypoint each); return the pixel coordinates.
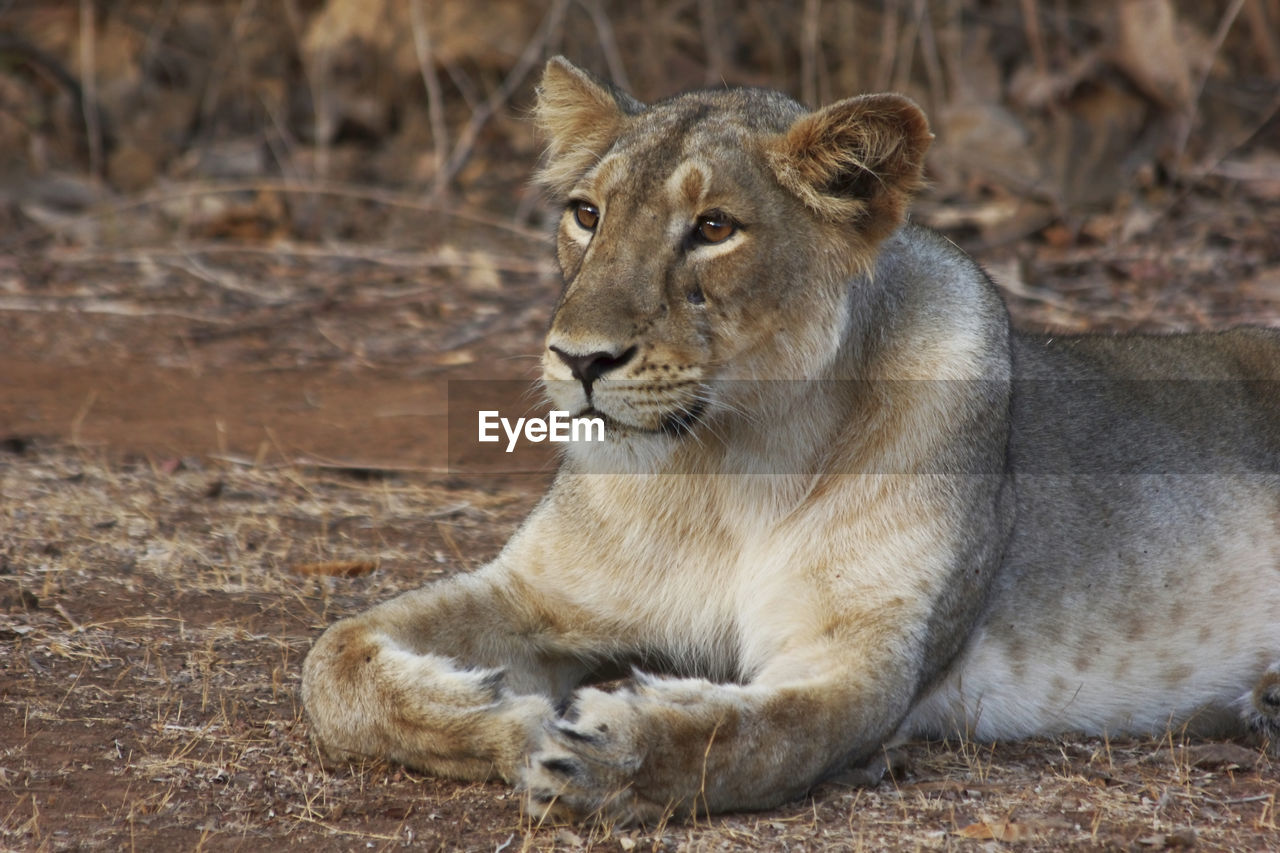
(708, 237)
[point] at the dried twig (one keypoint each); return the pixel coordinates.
(1263, 31)
(186, 253)
(1219, 36)
(110, 307)
(1031, 24)
(62, 611)
(906, 53)
(888, 46)
(809, 51)
(608, 44)
(89, 86)
(322, 121)
(533, 51)
(431, 81)
(931, 56)
(195, 189)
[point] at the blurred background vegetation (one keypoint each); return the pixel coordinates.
(1066, 101)
(1070, 120)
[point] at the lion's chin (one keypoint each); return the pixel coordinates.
(673, 425)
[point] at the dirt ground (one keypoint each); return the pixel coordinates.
(209, 450)
(226, 411)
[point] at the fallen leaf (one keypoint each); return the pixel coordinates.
(996, 831)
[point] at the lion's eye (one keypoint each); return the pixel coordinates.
(586, 215)
(715, 228)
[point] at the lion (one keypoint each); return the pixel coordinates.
(841, 504)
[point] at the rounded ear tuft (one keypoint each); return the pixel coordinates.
(580, 116)
(859, 160)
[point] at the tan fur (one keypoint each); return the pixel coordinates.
(580, 118)
(875, 140)
(840, 503)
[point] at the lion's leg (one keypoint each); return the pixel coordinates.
(687, 745)
(452, 678)
(1262, 708)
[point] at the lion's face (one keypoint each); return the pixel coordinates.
(708, 240)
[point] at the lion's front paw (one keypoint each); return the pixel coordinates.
(586, 764)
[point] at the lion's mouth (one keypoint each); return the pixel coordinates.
(676, 424)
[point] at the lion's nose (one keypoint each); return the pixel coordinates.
(591, 366)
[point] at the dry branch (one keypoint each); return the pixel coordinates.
(431, 82)
(533, 52)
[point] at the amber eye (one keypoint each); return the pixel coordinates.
(586, 215)
(715, 228)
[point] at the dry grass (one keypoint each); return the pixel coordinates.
(153, 624)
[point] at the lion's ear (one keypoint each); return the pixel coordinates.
(580, 117)
(859, 160)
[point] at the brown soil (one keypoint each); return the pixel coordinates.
(209, 451)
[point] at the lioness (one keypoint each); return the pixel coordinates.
(841, 505)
